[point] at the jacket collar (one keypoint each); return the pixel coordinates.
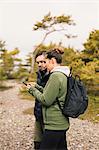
(63, 69)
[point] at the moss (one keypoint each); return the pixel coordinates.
(28, 111)
(3, 88)
(92, 113)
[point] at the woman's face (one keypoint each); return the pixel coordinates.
(49, 64)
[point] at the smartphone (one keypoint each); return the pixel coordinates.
(25, 83)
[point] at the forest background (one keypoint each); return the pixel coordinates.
(84, 63)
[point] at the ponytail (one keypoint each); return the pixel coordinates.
(56, 53)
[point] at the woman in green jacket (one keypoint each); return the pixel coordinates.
(55, 124)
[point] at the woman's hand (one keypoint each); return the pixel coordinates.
(28, 86)
(33, 84)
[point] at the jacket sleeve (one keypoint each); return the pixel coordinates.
(50, 92)
(40, 88)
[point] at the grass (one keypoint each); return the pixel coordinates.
(3, 88)
(28, 111)
(92, 113)
(25, 95)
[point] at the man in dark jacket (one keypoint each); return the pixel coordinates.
(42, 78)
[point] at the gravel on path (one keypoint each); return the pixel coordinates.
(17, 129)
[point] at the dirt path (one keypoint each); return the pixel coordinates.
(17, 129)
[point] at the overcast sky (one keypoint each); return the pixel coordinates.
(18, 16)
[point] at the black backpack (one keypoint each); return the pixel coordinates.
(76, 100)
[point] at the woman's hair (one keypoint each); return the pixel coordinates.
(55, 53)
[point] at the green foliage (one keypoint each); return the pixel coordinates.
(21, 72)
(92, 45)
(50, 21)
(2, 74)
(43, 47)
(90, 57)
(29, 59)
(69, 56)
(92, 113)
(88, 74)
(14, 52)
(50, 24)
(64, 19)
(47, 18)
(2, 45)
(8, 61)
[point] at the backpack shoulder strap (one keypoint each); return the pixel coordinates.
(69, 90)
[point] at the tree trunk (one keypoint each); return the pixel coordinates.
(32, 64)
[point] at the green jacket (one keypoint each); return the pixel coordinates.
(56, 87)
